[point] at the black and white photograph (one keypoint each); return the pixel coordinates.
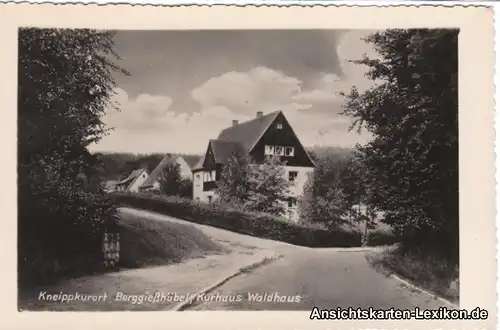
(238, 170)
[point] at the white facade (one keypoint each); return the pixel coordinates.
(141, 178)
(198, 193)
(134, 184)
(299, 176)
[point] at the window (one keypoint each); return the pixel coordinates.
(144, 175)
(269, 151)
(279, 151)
(279, 126)
(209, 176)
(292, 202)
(209, 199)
(289, 151)
(292, 176)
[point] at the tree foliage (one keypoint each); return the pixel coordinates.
(412, 112)
(65, 84)
(268, 187)
(324, 200)
(170, 179)
(233, 186)
(254, 187)
(357, 185)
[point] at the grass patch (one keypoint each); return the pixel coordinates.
(423, 267)
(147, 242)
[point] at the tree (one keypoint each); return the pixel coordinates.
(324, 200)
(65, 85)
(357, 186)
(412, 112)
(233, 187)
(268, 187)
(186, 188)
(170, 179)
(254, 187)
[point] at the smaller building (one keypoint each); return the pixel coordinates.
(153, 181)
(133, 181)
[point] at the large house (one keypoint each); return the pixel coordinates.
(263, 136)
(153, 181)
(133, 181)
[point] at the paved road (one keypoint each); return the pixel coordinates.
(322, 278)
(325, 278)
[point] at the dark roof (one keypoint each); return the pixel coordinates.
(238, 138)
(223, 150)
(199, 164)
(191, 160)
(155, 174)
(248, 133)
(134, 174)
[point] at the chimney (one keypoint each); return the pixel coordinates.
(259, 114)
(235, 122)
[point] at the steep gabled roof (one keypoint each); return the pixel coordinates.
(191, 160)
(240, 138)
(131, 177)
(248, 133)
(223, 150)
(155, 174)
(199, 164)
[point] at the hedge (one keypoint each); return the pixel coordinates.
(254, 224)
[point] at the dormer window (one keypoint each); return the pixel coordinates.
(279, 126)
(269, 151)
(279, 151)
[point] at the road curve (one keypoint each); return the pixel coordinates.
(322, 278)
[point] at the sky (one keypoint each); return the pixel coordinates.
(186, 86)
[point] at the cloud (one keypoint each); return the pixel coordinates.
(314, 114)
(156, 123)
(147, 124)
(242, 91)
(145, 112)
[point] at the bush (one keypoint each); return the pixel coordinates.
(423, 266)
(254, 224)
(382, 236)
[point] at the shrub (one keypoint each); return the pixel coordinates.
(424, 266)
(382, 236)
(255, 224)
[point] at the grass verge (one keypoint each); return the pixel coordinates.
(148, 242)
(425, 269)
